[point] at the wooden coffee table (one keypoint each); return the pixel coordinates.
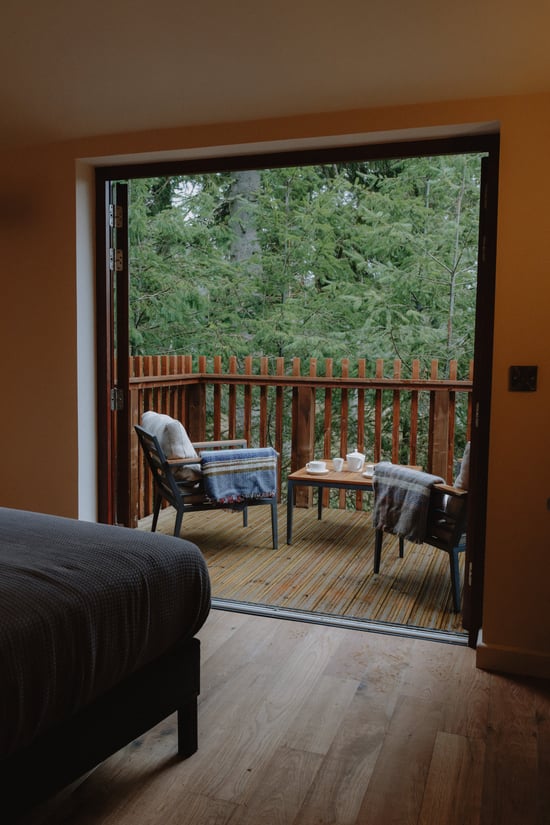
(344, 480)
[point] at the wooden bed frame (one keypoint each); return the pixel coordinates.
(70, 749)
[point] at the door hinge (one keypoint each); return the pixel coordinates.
(470, 571)
(116, 216)
(117, 399)
(116, 260)
(476, 419)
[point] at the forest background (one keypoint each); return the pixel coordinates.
(373, 259)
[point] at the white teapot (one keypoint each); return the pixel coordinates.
(355, 461)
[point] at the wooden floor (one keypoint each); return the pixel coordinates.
(328, 569)
(302, 724)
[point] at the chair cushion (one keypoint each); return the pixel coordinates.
(170, 433)
(463, 478)
(174, 443)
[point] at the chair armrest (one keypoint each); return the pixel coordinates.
(447, 515)
(457, 492)
(213, 445)
(181, 462)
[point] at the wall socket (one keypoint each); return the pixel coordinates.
(522, 379)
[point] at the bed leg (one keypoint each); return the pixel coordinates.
(188, 728)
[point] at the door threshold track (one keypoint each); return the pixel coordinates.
(347, 622)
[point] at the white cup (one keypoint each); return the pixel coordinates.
(338, 464)
(316, 466)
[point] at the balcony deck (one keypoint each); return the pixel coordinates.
(327, 570)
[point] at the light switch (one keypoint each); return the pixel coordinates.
(522, 379)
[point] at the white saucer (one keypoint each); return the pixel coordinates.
(318, 472)
(368, 474)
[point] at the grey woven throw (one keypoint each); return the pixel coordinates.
(401, 500)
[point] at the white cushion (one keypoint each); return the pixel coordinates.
(463, 478)
(170, 433)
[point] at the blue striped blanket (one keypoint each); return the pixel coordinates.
(234, 476)
(401, 500)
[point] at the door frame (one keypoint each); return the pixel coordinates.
(110, 505)
(112, 326)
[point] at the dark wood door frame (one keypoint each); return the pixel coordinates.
(478, 143)
(112, 293)
(104, 349)
(481, 397)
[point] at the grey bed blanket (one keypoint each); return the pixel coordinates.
(401, 500)
(82, 606)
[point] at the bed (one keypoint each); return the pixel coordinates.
(97, 645)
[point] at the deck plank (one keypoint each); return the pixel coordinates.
(328, 568)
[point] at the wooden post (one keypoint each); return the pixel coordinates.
(303, 437)
(413, 440)
(344, 424)
(264, 434)
(217, 433)
(195, 410)
(439, 463)
(377, 446)
(247, 403)
(327, 440)
(232, 401)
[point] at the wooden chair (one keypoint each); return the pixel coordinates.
(188, 495)
(446, 526)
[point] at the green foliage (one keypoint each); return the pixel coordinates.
(366, 259)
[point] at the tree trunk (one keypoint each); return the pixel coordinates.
(245, 246)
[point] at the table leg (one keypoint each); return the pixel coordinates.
(289, 509)
(319, 502)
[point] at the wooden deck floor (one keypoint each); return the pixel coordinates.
(328, 569)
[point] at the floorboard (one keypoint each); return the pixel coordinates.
(303, 724)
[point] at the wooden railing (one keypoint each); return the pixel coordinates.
(306, 409)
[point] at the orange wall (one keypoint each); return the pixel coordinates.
(38, 337)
